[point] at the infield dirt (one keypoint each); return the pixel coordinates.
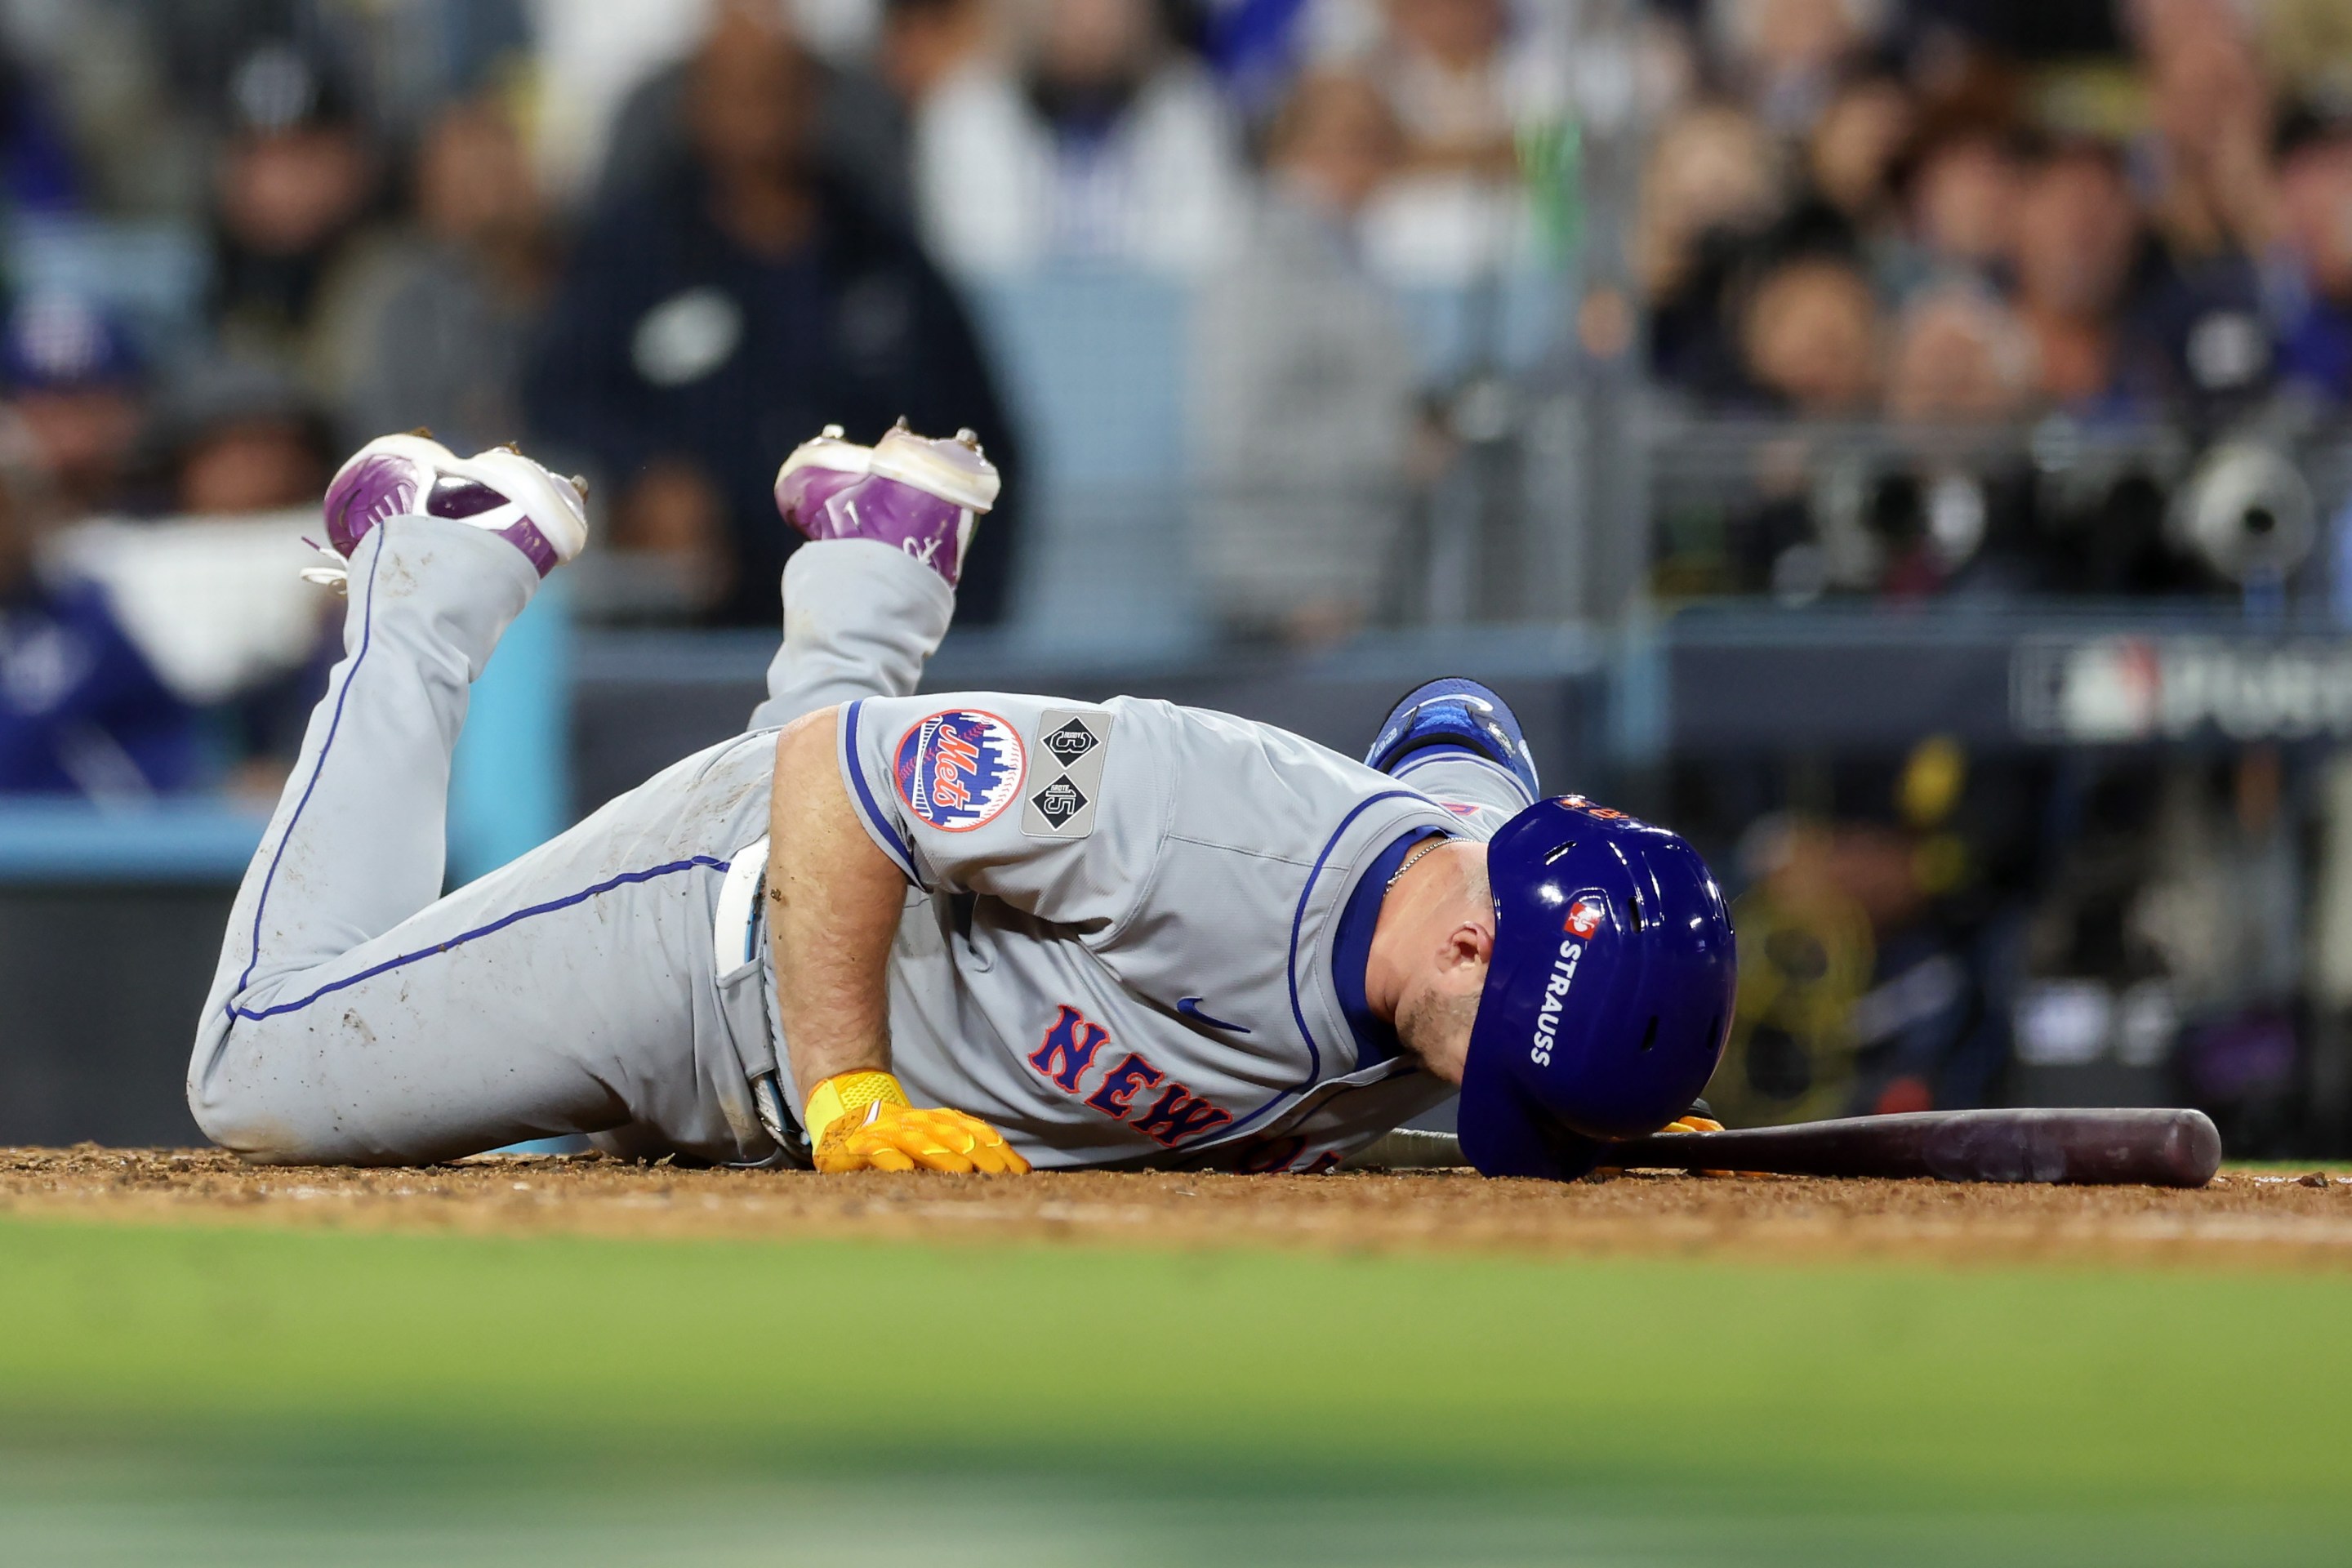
(2245, 1220)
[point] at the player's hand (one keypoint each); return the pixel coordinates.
(862, 1122)
(903, 1137)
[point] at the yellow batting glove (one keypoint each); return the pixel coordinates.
(862, 1121)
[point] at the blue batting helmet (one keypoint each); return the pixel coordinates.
(1608, 994)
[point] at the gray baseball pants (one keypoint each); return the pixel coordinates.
(359, 1017)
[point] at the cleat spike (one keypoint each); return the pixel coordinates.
(831, 433)
(968, 436)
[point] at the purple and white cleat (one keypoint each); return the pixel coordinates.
(912, 493)
(500, 491)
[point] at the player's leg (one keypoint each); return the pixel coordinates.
(1458, 742)
(867, 600)
(441, 558)
(356, 1016)
(572, 991)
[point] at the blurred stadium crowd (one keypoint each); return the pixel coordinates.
(1964, 301)
(660, 240)
(2128, 229)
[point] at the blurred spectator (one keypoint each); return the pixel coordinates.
(1710, 186)
(74, 386)
(294, 260)
(2306, 48)
(2126, 914)
(2211, 113)
(413, 57)
(1305, 409)
(925, 43)
(1097, 144)
(1959, 357)
(706, 327)
(1456, 212)
(2314, 286)
(401, 59)
(861, 134)
(601, 51)
(37, 165)
(447, 344)
(81, 711)
(2213, 201)
(1810, 333)
(136, 148)
(2078, 241)
(1852, 156)
(202, 48)
(1806, 958)
(1710, 172)
(1963, 187)
(238, 437)
(1787, 55)
(1878, 946)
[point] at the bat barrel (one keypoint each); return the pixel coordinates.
(2092, 1148)
(2097, 1148)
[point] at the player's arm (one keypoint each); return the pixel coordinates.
(833, 904)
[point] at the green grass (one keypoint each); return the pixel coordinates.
(182, 1394)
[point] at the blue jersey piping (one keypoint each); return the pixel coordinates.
(866, 804)
(406, 959)
(326, 748)
(1298, 921)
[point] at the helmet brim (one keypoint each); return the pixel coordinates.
(1505, 1134)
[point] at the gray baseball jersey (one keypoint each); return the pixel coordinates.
(1132, 935)
(1128, 949)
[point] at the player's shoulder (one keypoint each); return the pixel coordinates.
(1244, 785)
(1285, 752)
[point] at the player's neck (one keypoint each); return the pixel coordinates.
(1418, 910)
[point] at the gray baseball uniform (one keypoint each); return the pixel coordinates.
(1134, 932)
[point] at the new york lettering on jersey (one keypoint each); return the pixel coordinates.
(1068, 1051)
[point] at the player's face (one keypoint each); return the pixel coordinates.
(1434, 1026)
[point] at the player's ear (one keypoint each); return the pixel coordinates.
(1470, 945)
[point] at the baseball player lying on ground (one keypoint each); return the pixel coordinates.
(966, 931)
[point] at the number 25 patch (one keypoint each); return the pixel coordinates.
(1071, 746)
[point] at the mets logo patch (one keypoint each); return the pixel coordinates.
(958, 770)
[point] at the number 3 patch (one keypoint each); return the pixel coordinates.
(1072, 744)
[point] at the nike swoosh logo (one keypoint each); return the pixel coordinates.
(1190, 1007)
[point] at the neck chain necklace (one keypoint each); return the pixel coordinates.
(1412, 857)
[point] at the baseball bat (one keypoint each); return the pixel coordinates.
(2088, 1148)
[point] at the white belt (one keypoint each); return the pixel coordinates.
(734, 954)
(734, 933)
